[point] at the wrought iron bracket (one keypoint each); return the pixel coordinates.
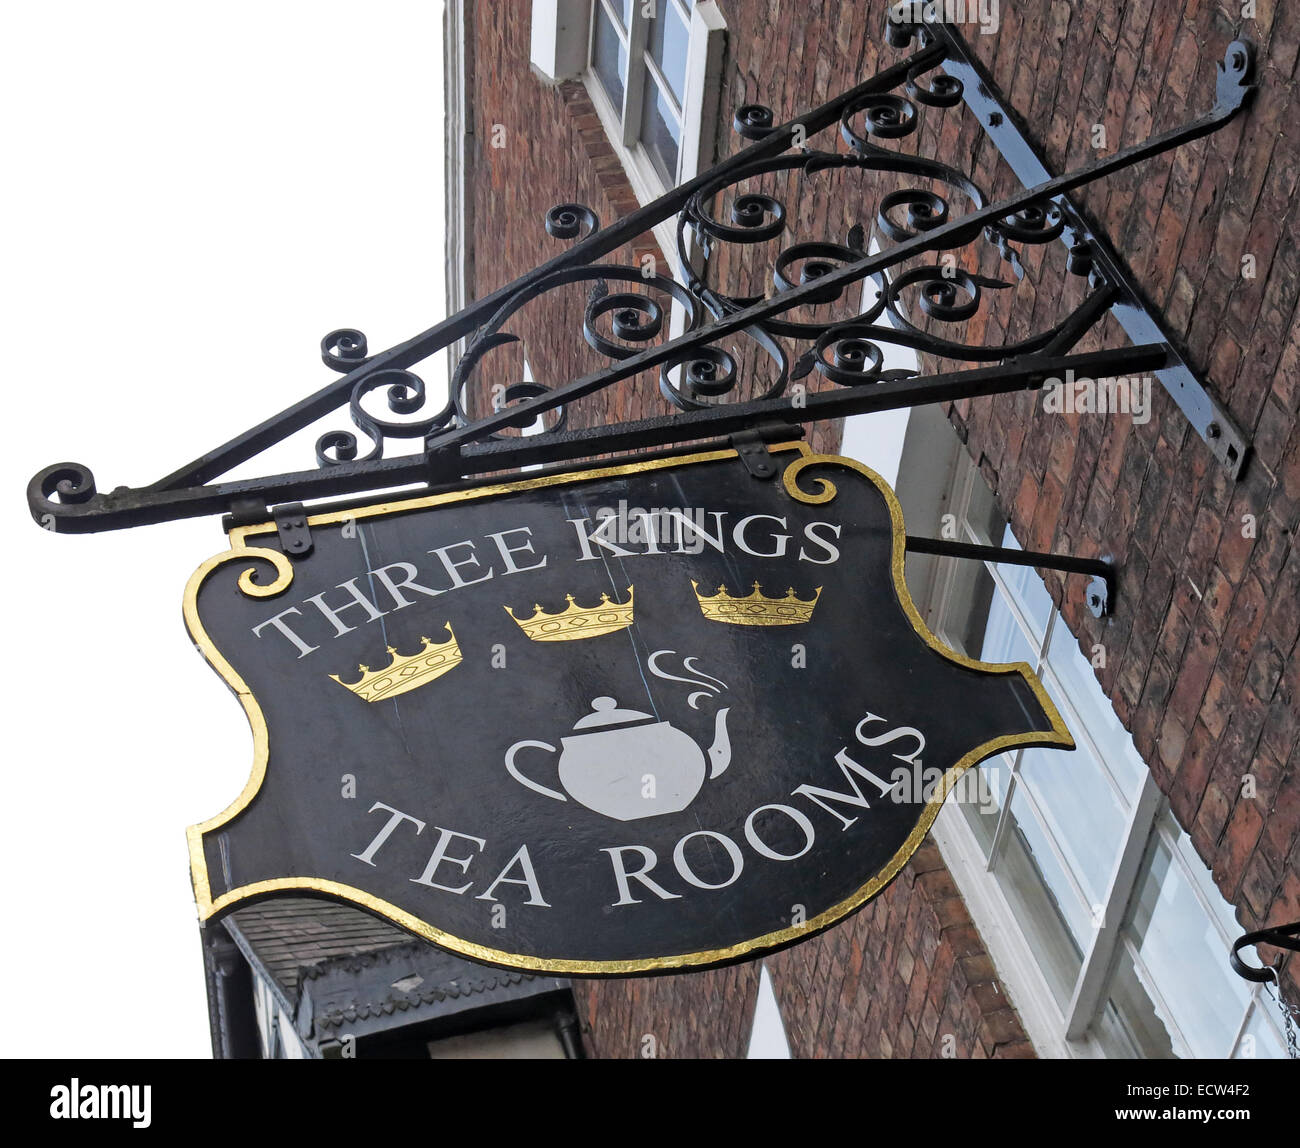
(1088, 246)
(1100, 594)
(708, 390)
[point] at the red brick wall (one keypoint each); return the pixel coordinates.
(1201, 652)
(909, 977)
(691, 1016)
(1202, 664)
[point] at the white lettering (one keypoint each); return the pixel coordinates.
(508, 552)
(283, 627)
(832, 551)
(688, 874)
(763, 849)
(439, 855)
(815, 793)
(408, 582)
(529, 879)
(622, 874)
(781, 540)
(387, 831)
(453, 565)
(332, 613)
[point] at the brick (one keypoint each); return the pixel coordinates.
(1194, 673)
(905, 964)
(1172, 743)
(1282, 828)
(1216, 807)
(1260, 884)
(1240, 836)
(1001, 1027)
(1016, 1050)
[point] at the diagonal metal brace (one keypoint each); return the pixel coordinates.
(1140, 319)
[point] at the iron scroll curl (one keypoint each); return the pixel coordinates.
(1279, 936)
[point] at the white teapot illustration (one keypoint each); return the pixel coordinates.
(626, 765)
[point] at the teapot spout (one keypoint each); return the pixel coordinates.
(720, 750)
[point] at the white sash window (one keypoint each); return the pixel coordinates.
(1104, 924)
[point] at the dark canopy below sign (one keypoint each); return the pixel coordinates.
(656, 716)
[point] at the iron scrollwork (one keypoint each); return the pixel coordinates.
(724, 360)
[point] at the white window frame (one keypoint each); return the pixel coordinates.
(563, 32)
(1056, 1031)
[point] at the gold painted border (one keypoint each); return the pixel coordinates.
(209, 908)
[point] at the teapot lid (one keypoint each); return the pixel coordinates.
(605, 712)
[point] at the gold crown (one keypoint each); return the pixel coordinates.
(576, 622)
(755, 609)
(405, 674)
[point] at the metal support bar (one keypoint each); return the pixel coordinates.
(117, 509)
(1140, 319)
(1101, 590)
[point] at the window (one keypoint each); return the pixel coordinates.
(639, 54)
(275, 1029)
(1105, 924)
(653, 71)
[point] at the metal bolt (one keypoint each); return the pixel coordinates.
(1213, 431)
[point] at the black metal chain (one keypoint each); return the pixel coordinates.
(1289, 1013)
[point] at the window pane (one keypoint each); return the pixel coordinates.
(668, 41)
(1026, 588)
(1004, 640)
(1179, 943)
(659, 131)
(1041, 900)
(1129, 1026)
(1084, 814)
(1260, 1041)
(1228, 927)
(609, 58)
(984, 795)
(1074, 677)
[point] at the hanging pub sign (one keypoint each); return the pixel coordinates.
(655, 716)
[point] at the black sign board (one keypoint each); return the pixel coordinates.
(649, 717)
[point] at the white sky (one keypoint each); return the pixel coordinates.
(193, 196)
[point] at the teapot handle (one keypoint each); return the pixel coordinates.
(519, 777)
